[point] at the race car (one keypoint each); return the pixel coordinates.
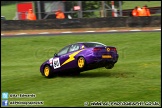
(79, 57)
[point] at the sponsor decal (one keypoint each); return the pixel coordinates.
(71, 57)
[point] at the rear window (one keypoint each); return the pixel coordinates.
(88, 45)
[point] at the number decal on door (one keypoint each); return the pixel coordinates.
(56, 63)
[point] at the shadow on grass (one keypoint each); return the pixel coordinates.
(99, 74)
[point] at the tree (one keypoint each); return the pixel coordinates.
(11, 2)
(88, 5)
(7, 2)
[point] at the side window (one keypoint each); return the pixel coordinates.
(63, 51)
(74, 47)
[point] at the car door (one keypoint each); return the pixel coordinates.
(74, 49)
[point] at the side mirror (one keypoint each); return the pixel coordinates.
(55, 55)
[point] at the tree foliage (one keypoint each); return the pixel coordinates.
(87, 6)
(7, 2)
(10, 2)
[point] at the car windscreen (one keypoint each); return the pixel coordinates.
(88, 45)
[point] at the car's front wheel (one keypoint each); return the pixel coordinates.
(47, 71)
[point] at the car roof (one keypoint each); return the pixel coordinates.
(85, 42)
(90, 42)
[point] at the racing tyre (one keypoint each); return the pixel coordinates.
(109, 66)
(81, 62)
(47, 71)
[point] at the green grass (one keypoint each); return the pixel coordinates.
(132, 4)
(9, 11)
(135, 77)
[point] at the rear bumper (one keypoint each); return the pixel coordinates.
(106, 61)
(99, 59)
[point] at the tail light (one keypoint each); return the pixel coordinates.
(113, 49)
(96, 49)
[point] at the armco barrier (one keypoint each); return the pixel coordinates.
(153, 21)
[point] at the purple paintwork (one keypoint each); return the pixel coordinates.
(66, 59)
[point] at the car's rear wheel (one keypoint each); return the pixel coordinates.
(47, 71)
(109, 66)
(81, 62)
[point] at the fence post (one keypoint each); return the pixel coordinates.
(112, 4)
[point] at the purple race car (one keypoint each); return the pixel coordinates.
(79, 57)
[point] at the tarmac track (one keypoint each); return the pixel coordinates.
(77, 33)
